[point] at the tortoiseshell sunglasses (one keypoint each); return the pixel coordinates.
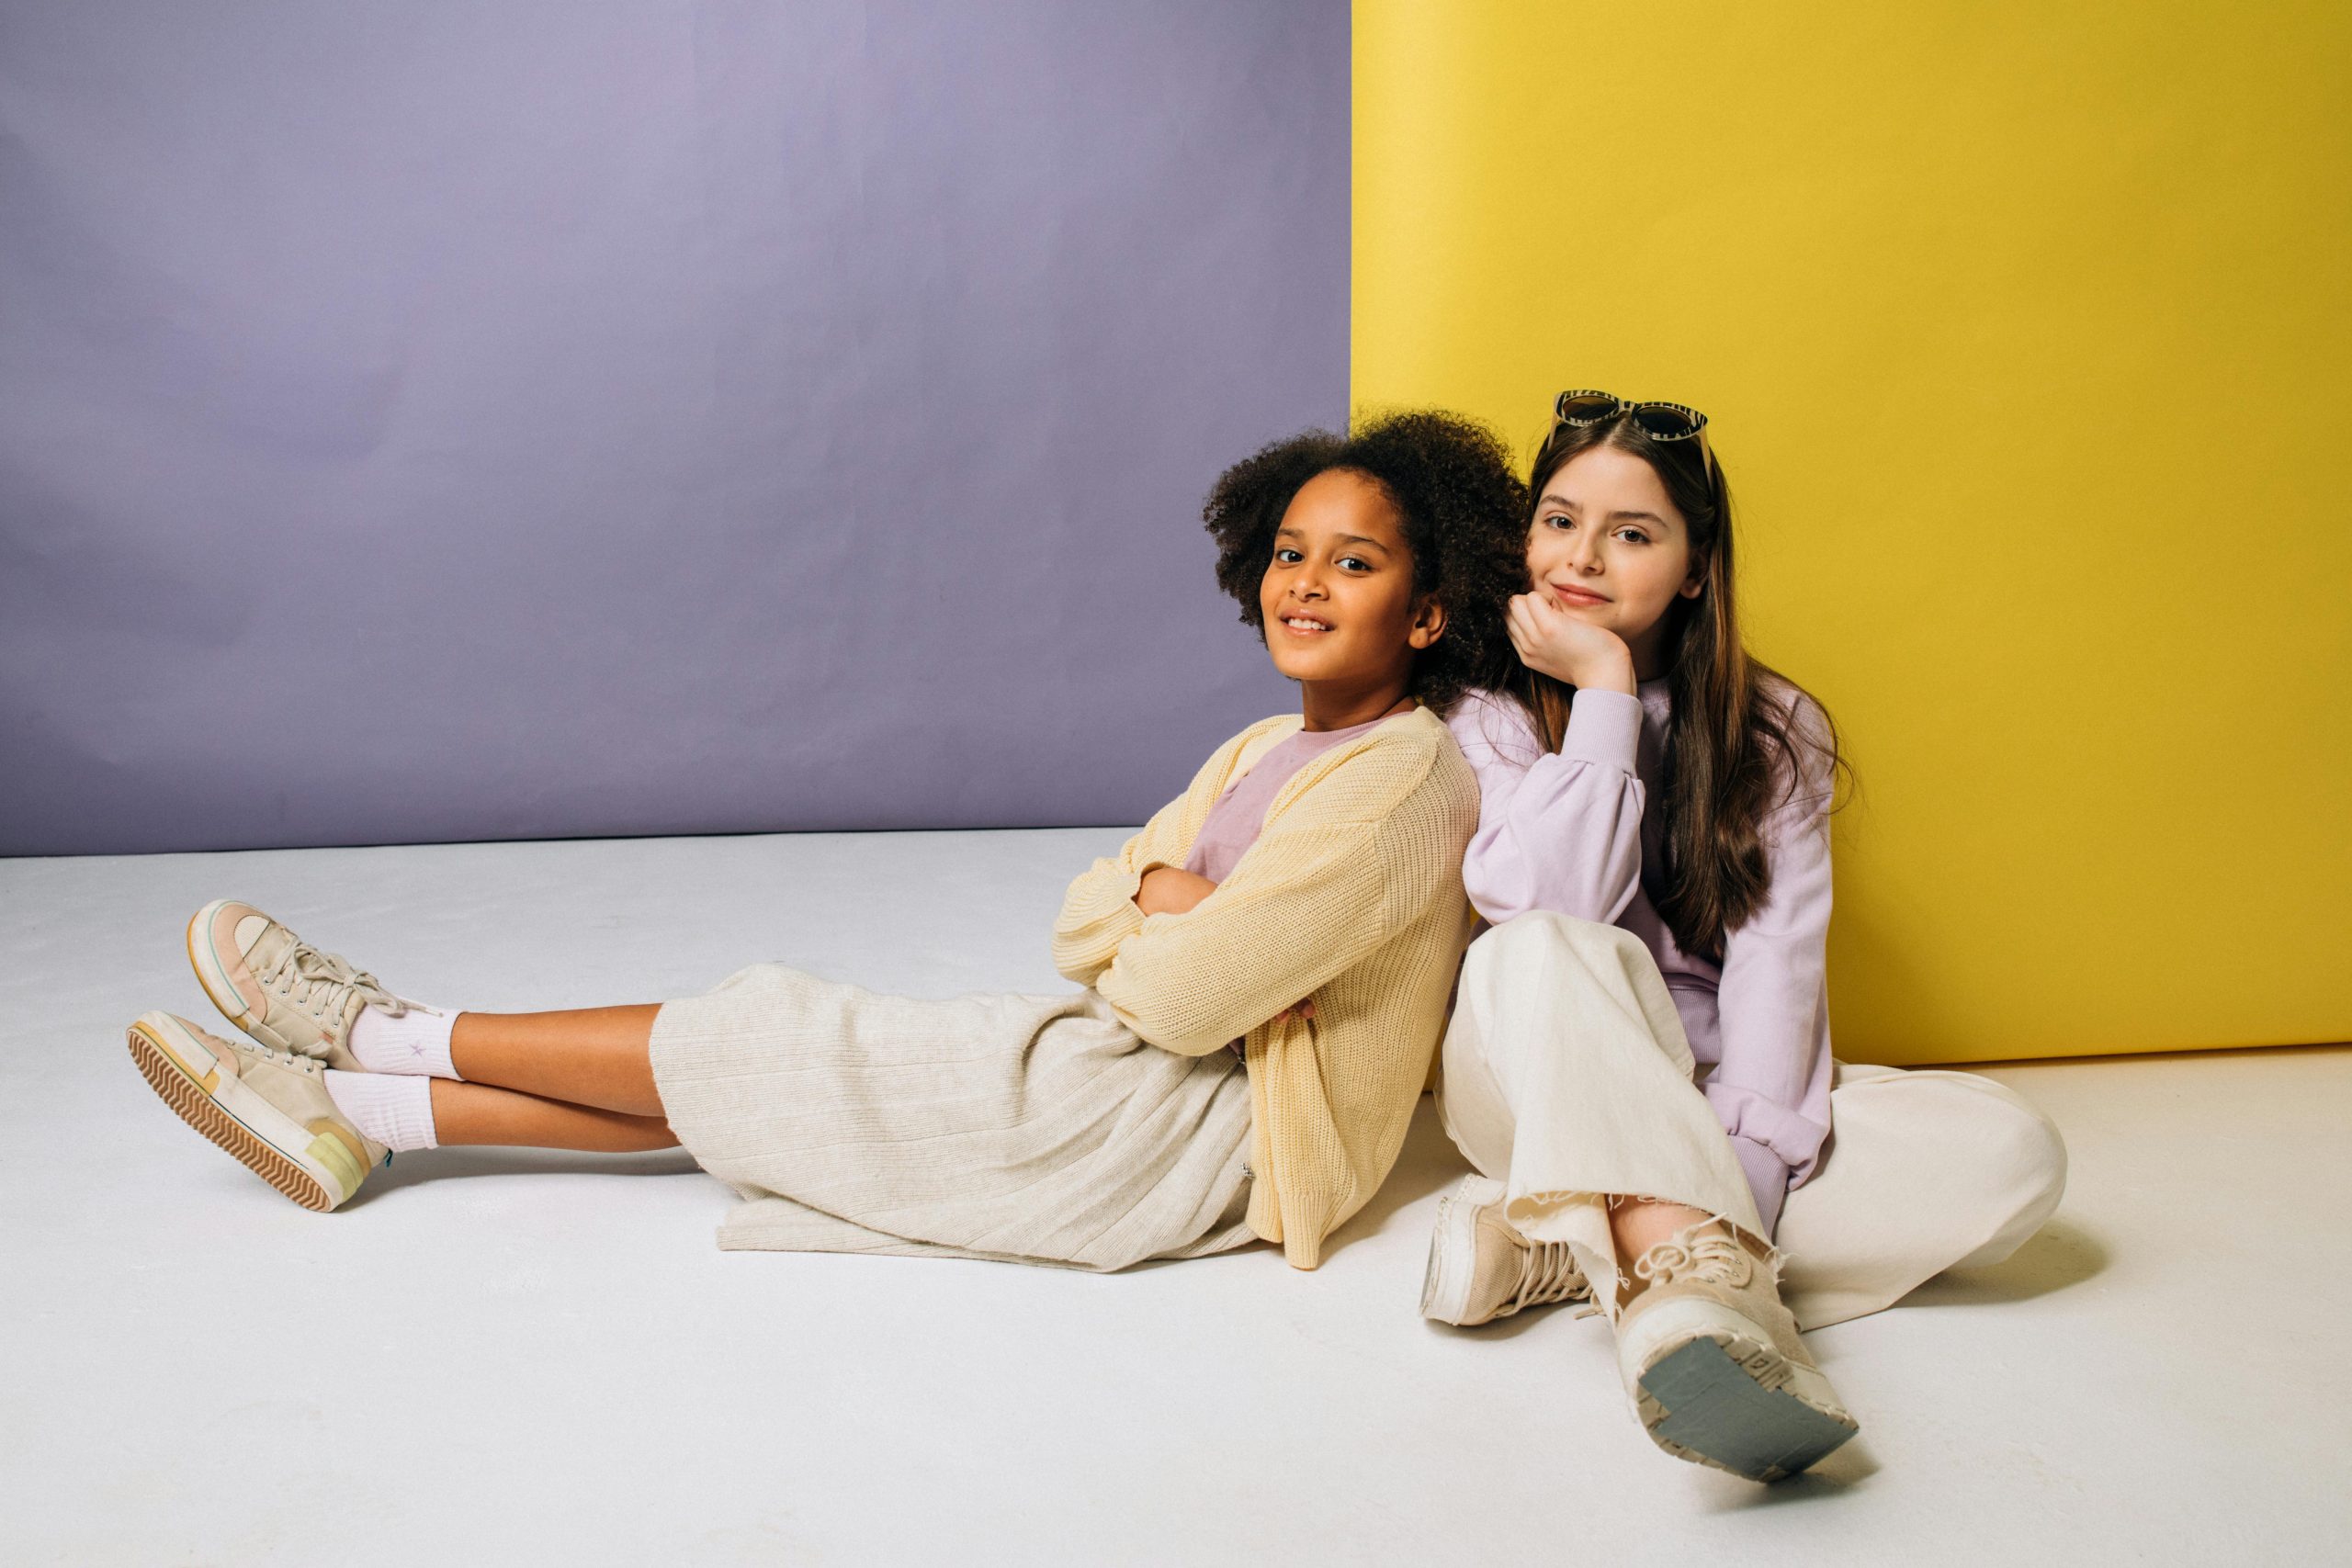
(1659, 421)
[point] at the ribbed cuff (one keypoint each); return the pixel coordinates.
(412, 1042)
(1604, 727)
(1097, 917)
(393, 1110)
(1124, 915)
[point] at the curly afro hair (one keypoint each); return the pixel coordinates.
(1466, 520)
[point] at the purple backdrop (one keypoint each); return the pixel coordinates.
(427, 421)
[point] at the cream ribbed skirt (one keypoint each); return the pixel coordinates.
(1030, 1129)
(1567, 1078)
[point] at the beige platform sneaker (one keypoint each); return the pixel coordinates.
(1715, 1365)
(1481, 1268)
(268, 1108)
(277, 987)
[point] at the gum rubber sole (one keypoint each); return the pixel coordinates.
(191, 1103)
(1715, 1402)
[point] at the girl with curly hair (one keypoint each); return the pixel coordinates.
(1264, 967)
(1638, 1063)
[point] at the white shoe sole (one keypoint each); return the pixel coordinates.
(1713, 1389)
(315, 1170)
(1453, 1250)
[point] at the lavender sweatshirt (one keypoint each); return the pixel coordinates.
(1568, 833)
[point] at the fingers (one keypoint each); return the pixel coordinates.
(1533, 614)
(1529, 636)
(1520, 622)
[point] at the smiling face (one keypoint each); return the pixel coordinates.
(1337, 595)
(1609, 547)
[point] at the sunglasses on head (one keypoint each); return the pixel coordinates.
(1659, 421)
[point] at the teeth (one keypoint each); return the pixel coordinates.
(1307, 625)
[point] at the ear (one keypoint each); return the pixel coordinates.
(1429, 622)
(1694, 584)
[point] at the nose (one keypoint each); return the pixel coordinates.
(1584, 554)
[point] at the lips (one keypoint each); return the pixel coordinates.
(1306, 626)
(1578, 596)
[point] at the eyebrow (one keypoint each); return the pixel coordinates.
(1561, 501)
(1343, 538)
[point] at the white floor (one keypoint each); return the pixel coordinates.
(494, 1358)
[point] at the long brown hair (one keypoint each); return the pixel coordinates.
(1742, 738)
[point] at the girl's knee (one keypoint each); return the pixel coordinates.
(2008, 1138)
(2023, 1172)
(2019, 1142)
(1546, 931)
(2039, 1155)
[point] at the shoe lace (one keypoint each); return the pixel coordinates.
(304, 974)
(297, 1060)
(1711, 1256)
(1548, 1273)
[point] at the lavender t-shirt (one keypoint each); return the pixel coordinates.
(1234, 822)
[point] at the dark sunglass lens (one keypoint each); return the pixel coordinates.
(1664, 422)
(1586, 407)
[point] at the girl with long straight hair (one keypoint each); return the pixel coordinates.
(1638, 1062)
(1262, 971)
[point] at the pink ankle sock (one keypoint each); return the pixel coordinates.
(416, 1041)
(395, 1110)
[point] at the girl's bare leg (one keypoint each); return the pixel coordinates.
(1640, 1224)
(591, 1056)
(479, 1113)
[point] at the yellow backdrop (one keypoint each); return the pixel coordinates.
(2024, 331)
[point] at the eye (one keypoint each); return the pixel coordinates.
(1633, 535)
(1287, 556)
(1355, 563)
(1560, 520)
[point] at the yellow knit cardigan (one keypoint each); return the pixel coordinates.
(1352, 894)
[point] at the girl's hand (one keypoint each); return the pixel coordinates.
(1552, 642)
(1169, 890)
(1304, 1011)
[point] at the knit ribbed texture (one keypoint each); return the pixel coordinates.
(1352, 894)
(394, 1110)
(416, 1041)
(1031, 1128)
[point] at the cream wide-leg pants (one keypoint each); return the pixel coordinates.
(1567, 1078)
